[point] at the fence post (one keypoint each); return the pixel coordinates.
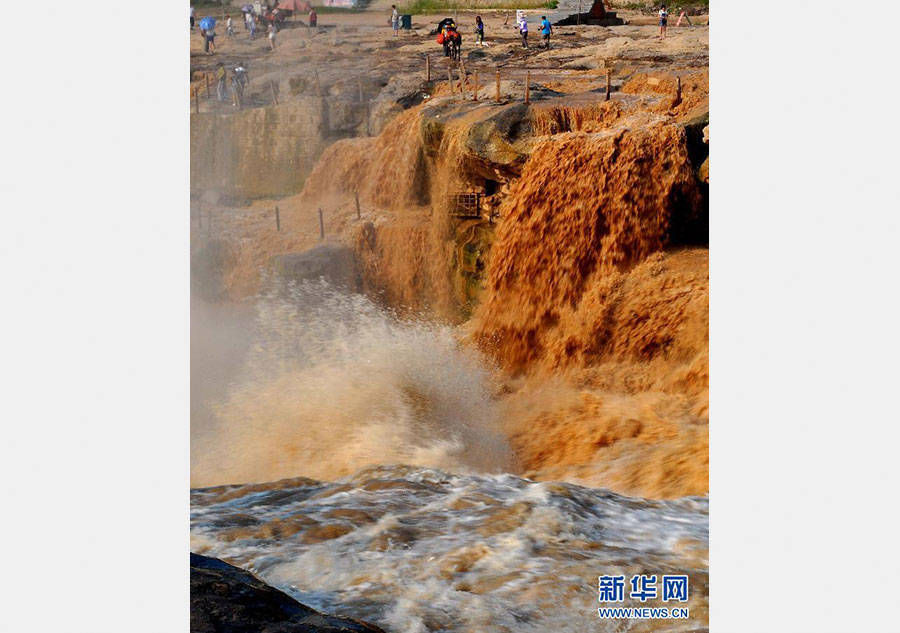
(427, 67)
(207, 84)
(359, 86)
(462, 80)
(678, 90)
(607, 84)
(356, 196)
(321, 225)
(527, 86)
(498, 85)
(274, 94)
(475, 88)
(277, 220)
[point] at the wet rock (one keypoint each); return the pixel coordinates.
(335, 263)
(401, 92)
(227, 599)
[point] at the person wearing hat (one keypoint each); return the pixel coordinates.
(240, 77)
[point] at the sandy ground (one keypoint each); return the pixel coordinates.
(359, 46)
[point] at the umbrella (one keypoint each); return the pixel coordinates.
(207, 23)
(294, 5)
(247, 8)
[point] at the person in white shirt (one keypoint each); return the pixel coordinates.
(271, 31)
(229, 26)
(395, 20)
(523, 29)
(663, 21)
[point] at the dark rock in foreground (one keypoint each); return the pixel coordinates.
(227, 599)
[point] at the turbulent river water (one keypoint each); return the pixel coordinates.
(334, 393)
(418, 549)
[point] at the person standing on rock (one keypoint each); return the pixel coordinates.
(523, 29)
(479, 31)
(229, 26)
(313, 18)
(546, 29)
(663, 21)
(395, 20)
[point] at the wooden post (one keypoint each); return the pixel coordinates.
(321, 225)
(207, 85)
(277, 220)
(607, 84)
(450, 77)
(274, 94)
(498, 85)
(678, 90)
(197, 100)
(428, 68)
(528, 86)
(475, 88)
(356, 196)
(318, 85)
(359, 86)
(462, 80)
(578, 19)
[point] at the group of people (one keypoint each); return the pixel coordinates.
(251, 23)
(240, 77)
(546, 30)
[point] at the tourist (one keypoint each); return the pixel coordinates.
(313, 18)
(239, 78)
(252, 27)
(192, 19)
(395, 20)
(546, 29)
(229, 26)
(523, 29)
(271, 31)
(220, 82)
(210, 41)
(247, 21)
(479, 31)
(663, 21)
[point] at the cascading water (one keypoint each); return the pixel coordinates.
(333, 382)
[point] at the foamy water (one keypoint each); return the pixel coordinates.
(333, 382)
(417, 549)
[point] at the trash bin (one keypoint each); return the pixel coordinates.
(406, 22)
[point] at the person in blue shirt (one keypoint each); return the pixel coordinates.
(479, 31)
(546, 29)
